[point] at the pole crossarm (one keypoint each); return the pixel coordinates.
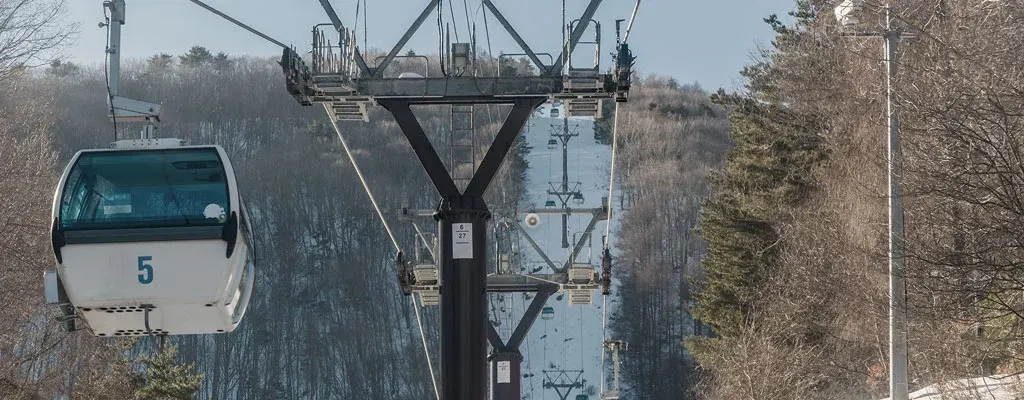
(341, 86)
(440, 90)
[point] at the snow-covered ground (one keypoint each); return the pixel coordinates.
(998, 387)
(572, 339)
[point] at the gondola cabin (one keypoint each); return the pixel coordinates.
(152, 224)
(548, 313)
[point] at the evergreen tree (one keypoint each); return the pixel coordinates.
(164, 379)
(196, 56)
(221, 62)
(160, 62)
(768, 172)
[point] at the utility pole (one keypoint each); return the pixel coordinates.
(899, 388)
(848, 14)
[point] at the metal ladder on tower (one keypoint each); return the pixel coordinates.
(463, 145)
(584, 79)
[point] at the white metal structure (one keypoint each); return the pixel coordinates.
(848, 12)
(151, 233)
(582, 281)
(615, 346)
(427, 276)
(123, 109)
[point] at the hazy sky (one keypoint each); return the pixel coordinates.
(706, 41)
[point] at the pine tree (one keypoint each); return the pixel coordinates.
(164, 379)
(769, 171)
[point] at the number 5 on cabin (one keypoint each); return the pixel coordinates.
(146, 275)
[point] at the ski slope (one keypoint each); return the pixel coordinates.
(572, 340)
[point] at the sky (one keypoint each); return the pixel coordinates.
(703, 41)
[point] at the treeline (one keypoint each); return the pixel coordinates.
(670, 138)
(797, 272)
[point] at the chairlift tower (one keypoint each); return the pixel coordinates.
(346, 84)
(563, 381)
(562, 189)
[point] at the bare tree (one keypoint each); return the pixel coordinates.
(31, 33)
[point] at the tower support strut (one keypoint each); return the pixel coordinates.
(463, 252)
(506, 360)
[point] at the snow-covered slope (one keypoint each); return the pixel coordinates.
(572, 340)
(999, 387)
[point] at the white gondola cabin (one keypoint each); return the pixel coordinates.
(152, 224)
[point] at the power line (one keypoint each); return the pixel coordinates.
(451, 10)
(366, 47)
(469, 25)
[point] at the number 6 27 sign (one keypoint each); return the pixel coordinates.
(462, 240)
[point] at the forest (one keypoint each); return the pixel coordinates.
(752, 252)
(796, 288)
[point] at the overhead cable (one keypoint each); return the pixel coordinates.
(426, 349)
(236, 22)
(632, 18)
(362, 179)
(611, 177)
(366, 187)
(604, 336)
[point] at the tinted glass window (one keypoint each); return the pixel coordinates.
(145, 188)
